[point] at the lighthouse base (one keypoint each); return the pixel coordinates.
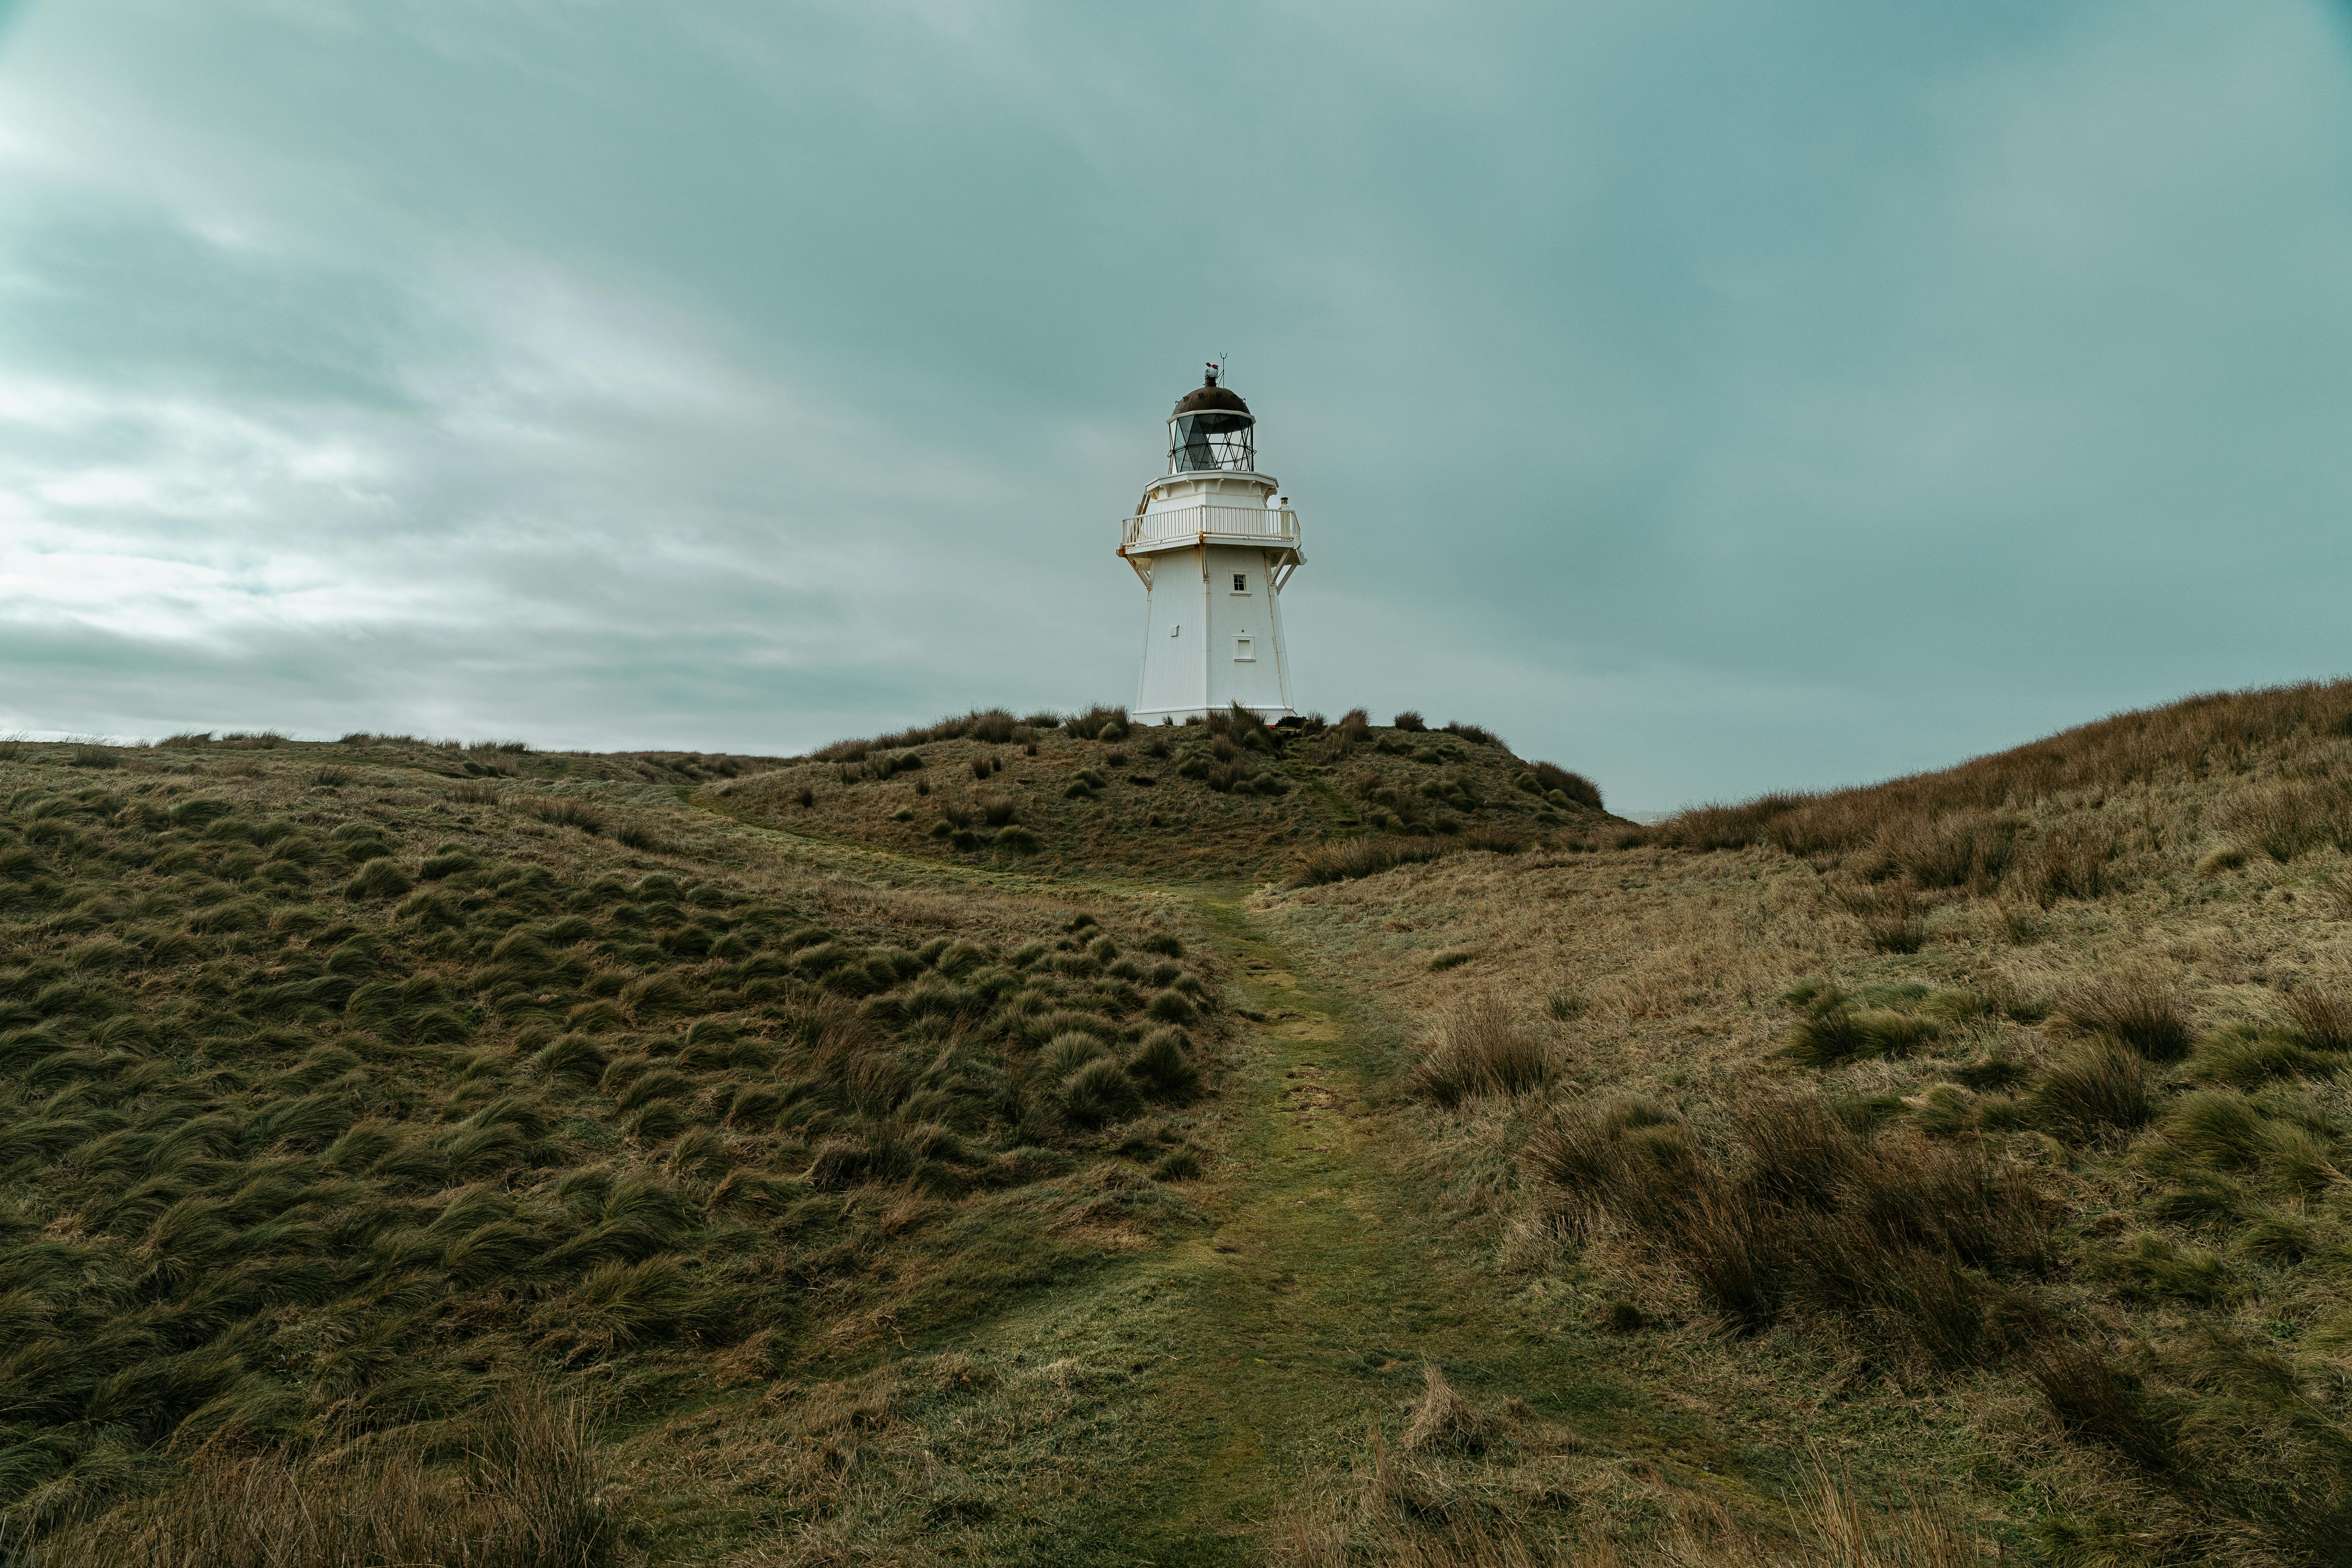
(1212, 635)
(1190, 715)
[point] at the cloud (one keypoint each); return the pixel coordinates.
(1713, 398)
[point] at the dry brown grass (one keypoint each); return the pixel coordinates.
(1399, 1513)
(2140, 1006)
(1481, 1048)
(1443, 1421)
(1917, 821)
(2124, 1011)
(521, 1486)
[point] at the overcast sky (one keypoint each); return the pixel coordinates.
(1711, 398)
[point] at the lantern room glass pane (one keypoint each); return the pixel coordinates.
(1213, 438)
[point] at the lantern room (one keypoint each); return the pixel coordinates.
(1211, 428)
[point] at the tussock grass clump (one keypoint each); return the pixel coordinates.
(2248, 1058)
(1896, 925)
(1415, 1509)
(564, 812)
(1833, 1029)
(1097, 724)
(1172, 1007)
(1480, 1049)
(2097, 1404)
(1476, 734)
(2142, 1008)
(2097, 1089)
(2287, 819)
(381, 878)
(1099, 1092)
(1356, 857)
(2321, 1018)
(2215, 862)
(1162, 1067)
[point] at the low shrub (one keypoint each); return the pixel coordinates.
(1410, 721)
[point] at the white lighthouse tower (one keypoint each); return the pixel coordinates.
(1214, 542)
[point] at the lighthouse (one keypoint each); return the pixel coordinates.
(1213, 540)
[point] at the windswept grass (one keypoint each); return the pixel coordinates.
(329, 1108)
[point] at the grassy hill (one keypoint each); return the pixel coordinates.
(1352, 1146)
(364, 1105)
(1228, 800)
(1985, 1128)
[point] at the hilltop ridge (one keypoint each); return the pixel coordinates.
(1229, 799)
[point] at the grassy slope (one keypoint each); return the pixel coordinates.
(344, 1086)
(999, 1362)
(1949, 956)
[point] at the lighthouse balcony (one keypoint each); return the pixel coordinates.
(1210, 525)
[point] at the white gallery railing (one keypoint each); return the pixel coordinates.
(1219, 521)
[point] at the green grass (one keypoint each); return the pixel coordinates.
(331, 1108)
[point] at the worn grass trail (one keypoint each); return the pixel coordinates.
(1275, 1343)
(1231, 1367)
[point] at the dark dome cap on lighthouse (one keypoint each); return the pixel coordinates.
(1209, 395)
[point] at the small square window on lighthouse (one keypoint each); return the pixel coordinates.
(1241, 582)
(1242, 651)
